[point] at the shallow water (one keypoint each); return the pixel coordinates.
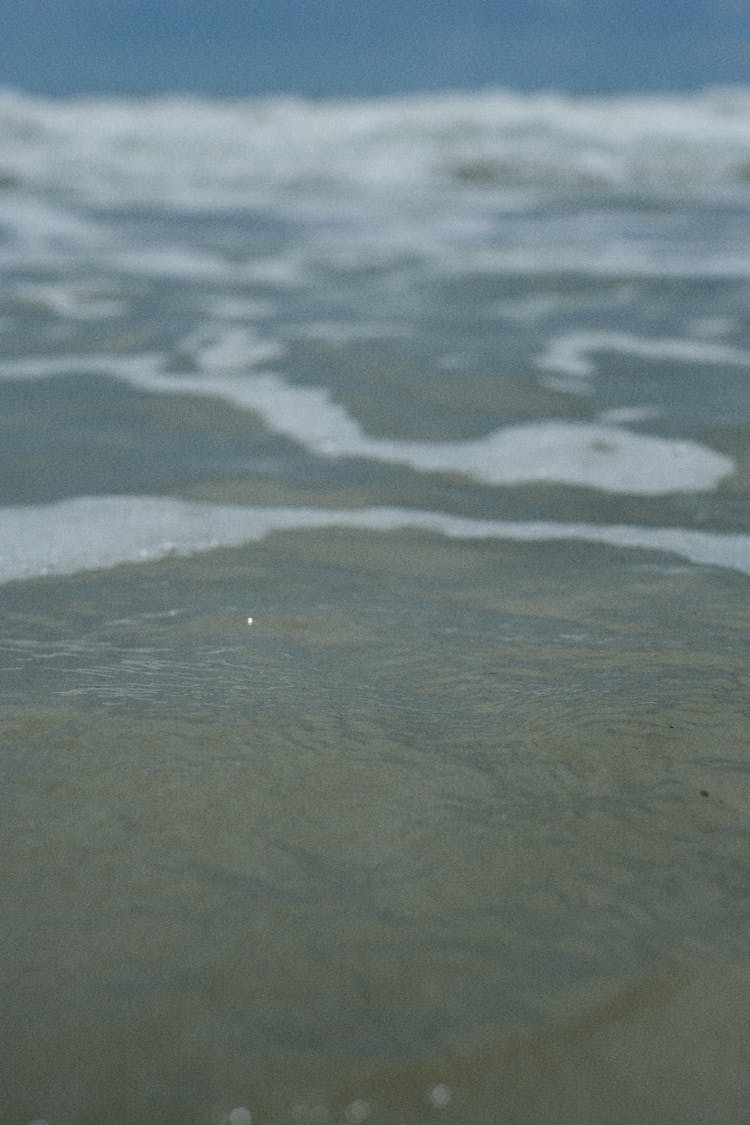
(455, 815)
(450, 396)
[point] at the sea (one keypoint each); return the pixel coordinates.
(375, 609)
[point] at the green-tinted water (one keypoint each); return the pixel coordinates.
(453, 832)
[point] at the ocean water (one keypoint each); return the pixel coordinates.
(374, 548)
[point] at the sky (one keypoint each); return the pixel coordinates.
(359, 48)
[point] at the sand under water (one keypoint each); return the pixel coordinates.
(465, 818)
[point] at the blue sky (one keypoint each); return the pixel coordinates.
(366, 47)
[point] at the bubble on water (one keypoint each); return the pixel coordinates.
(440, 1095)
(249, 620)
(240, 1116)
(357, 1112)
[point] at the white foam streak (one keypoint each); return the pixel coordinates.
(571, 353)
(90, 533)
(593, 455)
(74, 301)
(586, 455)
(230, 350)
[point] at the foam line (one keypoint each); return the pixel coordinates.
(91, 533)
(593, 455)
(587, 455)
(570, 354)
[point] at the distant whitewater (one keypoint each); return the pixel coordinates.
(189, 151)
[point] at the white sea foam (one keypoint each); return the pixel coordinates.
(438, 180)
(186, 151)
(91, 533)
(174, 262)
(40, 225)
(570, 354)
(588, 455)
(423, 177)
(133, 367)
(229, 350)
(79, 302)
